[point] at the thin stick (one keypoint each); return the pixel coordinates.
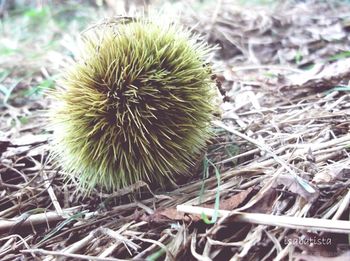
(75, 256)
(52, 194)
(266, 67)
(315, 224)
(35, 219)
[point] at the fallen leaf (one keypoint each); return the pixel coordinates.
(233, 201)
(168, 214)
(298, 186)
(331, 173)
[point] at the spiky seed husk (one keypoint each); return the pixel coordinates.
(135, 107)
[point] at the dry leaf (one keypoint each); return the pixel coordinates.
(331, 173)
(297, 186)
(232, 202)
(168, 214)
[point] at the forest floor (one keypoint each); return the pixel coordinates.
(275, 182)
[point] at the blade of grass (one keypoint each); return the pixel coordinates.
(61, 225)
(217, 197)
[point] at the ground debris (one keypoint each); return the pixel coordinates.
(281, 153)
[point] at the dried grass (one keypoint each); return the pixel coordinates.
(282, 149)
